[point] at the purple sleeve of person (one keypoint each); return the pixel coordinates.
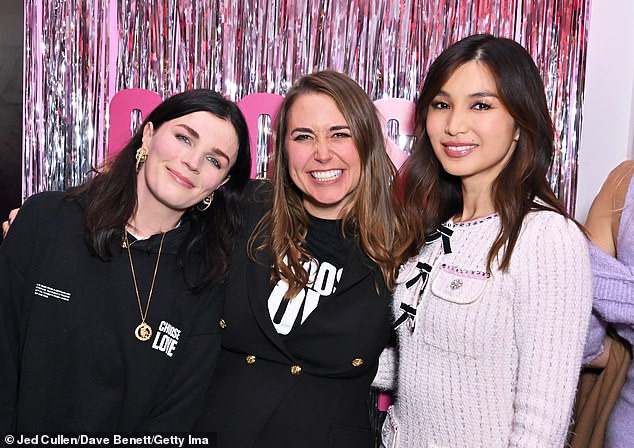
(594, 338)
(613, 290)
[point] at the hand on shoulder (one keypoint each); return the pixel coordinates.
(6, 224)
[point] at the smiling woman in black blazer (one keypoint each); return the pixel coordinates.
(307, 300)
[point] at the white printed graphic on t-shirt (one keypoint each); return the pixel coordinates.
(166, 338)
(322, 282)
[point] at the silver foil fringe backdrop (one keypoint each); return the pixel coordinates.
(79, 53)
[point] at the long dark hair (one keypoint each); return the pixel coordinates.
(111, 196)
(369, 216)
(522, 185)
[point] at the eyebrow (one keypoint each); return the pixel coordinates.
(214, 150)
(190, 130)
(331, 128)
(484, 94)
(220, 153)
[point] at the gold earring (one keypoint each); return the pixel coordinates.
(205, 203)
(141, 157)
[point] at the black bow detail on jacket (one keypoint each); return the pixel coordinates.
(408, 311)
(423, 271)
(443, 232)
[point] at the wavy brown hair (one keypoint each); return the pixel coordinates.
(522, 185)
(369, 215)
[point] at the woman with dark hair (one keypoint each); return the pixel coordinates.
(307, 308)
(110, 301)
(492, 307)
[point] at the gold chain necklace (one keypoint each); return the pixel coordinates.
(143, 331)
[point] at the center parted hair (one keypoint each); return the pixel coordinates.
(522, 185)
(369, 215)
(111, 196)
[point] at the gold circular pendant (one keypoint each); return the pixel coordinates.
(143, 332)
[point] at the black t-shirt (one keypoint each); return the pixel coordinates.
(326, 241)
(329, 249)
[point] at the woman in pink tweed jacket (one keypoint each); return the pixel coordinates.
(493, 305)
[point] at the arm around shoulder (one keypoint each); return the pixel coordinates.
(385, 378)
(6, 224)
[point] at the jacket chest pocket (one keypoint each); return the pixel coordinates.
(453, 309)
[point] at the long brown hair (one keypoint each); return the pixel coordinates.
(522, 185)
(369, 215)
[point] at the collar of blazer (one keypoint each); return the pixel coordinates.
(357, 267)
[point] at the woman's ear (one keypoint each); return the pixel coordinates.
(516, 136)
(225, 180)
(148, 132)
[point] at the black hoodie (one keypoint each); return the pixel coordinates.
(69, 358)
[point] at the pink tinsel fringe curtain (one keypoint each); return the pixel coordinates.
(78, 53)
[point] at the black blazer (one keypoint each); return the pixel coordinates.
(310, 388)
